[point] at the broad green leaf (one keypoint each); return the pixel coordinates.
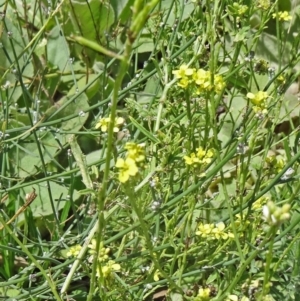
(91, 90)
(9, 292)
(41, 206)
(77, 106)
(18, 40)
(25, 157)
(92, 20)
(122, 9)
(96, 156)
(233, 117)
(58, 50)
(188, 8)
(144, 43)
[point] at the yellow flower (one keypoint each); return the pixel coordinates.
(200, 152)
(205, 156)
(260, 111)
(210, 153)
(156, 275)
(281, 80)
(203, 294)
(219, 83)
(92, 246)
(219, 232)
(257, 205)
(191, 160)
(259, 98)
(201, 157)
(103, 252)
(127, 168)
(241, 8)
(204, 230)
(275, 164)
(282, 16)
(280, 163)
(206, 160)
(202, 78)
(103, 124)
(118, 123)
(74, 251)
(232, 298)
(135, 151)
(263, 4)
(183, 71)
(238, 222)
(107, 270)
(183, 83)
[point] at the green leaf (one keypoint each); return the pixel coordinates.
(58, 50)
(9, 292)
(187, 8)
(78, 106)
(41, 206)
(25, 155)
(14, 46)
(92, 21)
(122, 9)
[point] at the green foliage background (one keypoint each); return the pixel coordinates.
(61, 71)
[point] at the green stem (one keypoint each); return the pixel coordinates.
(242, 268)
(49, 280)
(144, 230)
(78, 260)
(269, 256)
(138, 21)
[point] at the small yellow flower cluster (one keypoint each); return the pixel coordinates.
(135, 151)
(281, 79)
(237, 9)
(261, 66)
(282, 16)
(281, 82)
(103, 252)
(108, 269)
(200, 157)
(213, 231)
(275, 215)
(74, 251)
(258, 204)
(103, 270)
(103, 124)
(134, 158)
(263, 4)
(204, 294)
(236, 298)
(239, 222)
(156, 275)
(259, 100)
(199, 79)
(274, 164)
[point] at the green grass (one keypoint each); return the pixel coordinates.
(162, 141)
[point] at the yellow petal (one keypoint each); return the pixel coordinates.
(120, 163)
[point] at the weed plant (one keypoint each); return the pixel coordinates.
(149, 150)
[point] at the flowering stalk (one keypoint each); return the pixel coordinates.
(139, 19)
(144, 229)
